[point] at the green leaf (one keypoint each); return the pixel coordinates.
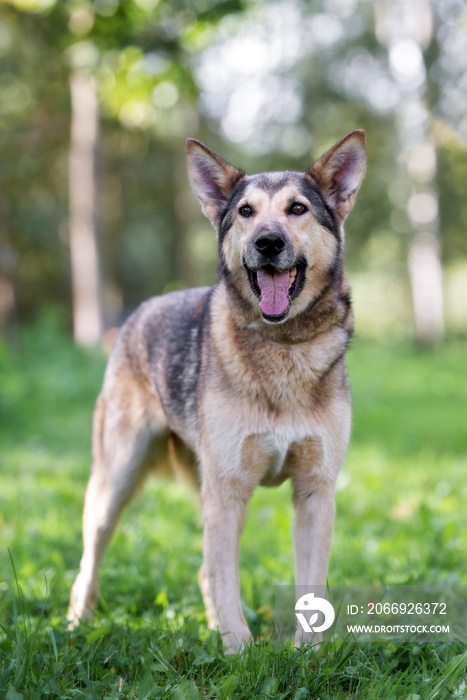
(187, 690)
(202, 657)
(147, 686)
(300, 694)
(269, 686)
(228, 686)
(98, 633)
(86, 680)
(451, 673)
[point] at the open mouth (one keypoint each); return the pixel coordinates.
(276, 289)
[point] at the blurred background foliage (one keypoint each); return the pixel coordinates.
(269, 85)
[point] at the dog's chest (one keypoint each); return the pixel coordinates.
(270, 450)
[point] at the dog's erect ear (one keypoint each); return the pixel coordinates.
(340, 172)
(212, 179)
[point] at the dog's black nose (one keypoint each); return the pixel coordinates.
(269, 244)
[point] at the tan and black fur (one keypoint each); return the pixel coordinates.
(241, 394)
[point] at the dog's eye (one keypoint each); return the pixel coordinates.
(298, 208)
(246, 211)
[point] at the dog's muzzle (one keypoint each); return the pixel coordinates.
(276, 288)
(275, 274)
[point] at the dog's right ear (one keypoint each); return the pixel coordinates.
(212, 179)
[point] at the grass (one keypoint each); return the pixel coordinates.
(400, 520)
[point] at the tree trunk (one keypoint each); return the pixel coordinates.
(427, 288)
(85, 273)
(424, 258)
(406, 28)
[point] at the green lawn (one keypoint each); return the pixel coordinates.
(401, 519)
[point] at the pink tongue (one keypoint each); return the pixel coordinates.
(274, 289)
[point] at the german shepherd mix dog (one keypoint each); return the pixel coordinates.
(245, 382)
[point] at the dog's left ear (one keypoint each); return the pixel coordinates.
(340, 172)
(212, 179)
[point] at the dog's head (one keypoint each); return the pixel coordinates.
(280, 234)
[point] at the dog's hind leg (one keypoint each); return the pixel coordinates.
(121, 436)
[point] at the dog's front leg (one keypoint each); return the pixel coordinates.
(232, 467)
(224, 516)
(313, 529)
(314, 466)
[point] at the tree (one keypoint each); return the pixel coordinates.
(406, 29)
(269, 85)
(86, 279)
(137, 55)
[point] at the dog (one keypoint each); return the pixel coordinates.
(240, 384)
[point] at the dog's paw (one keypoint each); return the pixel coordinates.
(236, 641)
(77, 614)
(82, 604)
